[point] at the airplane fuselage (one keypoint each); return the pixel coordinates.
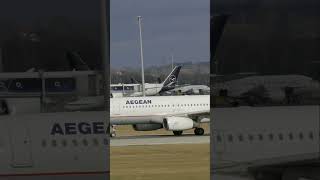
(274, 85)
(253, 137)
(140, 110)
(54, 145)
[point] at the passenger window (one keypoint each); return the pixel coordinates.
(75, 142)
(64, 143)
(230, 138)
(54, 143)
(85, 142)
(301, 136)
(240, 137)
(44, 143)
(280, 137)
(311, 135)
(290, 136)
(271, 137)
(95, 142)
(250, 137)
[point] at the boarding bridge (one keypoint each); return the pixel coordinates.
(36, 84)
(124, 89)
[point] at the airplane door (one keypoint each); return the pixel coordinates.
(20, 144)
(218, 142)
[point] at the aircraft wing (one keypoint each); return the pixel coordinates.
(223, 166)
(199, 115)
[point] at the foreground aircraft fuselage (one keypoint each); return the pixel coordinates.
(54, 146)
(273, 86)
(266, 142)
(175, 113)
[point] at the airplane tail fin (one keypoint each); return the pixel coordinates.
(4, 107)
(134, 81)
(31, 70)
(217, 24)
(76, 62)
(172, 79)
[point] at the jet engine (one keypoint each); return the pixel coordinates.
(178, 123)
(146, 127)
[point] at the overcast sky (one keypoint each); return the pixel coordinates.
(180, 27)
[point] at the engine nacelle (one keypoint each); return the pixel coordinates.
(177, 123)
(146, 127)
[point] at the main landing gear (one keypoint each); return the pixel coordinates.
(177, 133)
(197, 131)
(113, 131)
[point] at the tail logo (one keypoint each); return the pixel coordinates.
(172, 78)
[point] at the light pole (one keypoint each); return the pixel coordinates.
(105, 45)
(141, 56)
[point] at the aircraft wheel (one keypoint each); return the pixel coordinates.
(113, 134)
(177, 133)
(199, 131)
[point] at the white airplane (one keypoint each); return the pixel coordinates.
(174, 113)
(151, 89)
(273, 86)
(91, 102)
(54, 146)
(191, 89)
(276, 143)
